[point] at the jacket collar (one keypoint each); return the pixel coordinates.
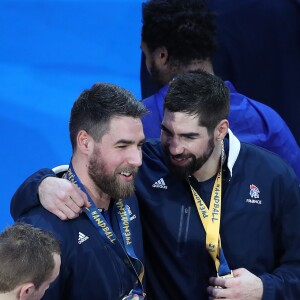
(234, 150)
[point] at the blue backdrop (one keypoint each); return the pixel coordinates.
(49, 52)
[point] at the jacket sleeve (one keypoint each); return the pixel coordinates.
(284, 281)
(26, 197)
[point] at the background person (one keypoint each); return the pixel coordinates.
(258, 50)
(30, 262)
(179, 36)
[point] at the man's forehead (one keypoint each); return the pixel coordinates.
(181, 123)
(125, 128)
(124, 120)
(178, 117)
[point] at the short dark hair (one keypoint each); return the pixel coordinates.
(26, 255)
(201, 94)
(95, 107)
(185, 27)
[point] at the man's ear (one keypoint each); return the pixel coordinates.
(161, 55)
(26, 291)
(83, 140)
(221, 129)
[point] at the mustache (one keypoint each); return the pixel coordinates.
(178, 156)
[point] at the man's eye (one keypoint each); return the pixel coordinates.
(165, 132)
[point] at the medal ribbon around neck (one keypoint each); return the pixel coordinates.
(126, 252)
(211, 221)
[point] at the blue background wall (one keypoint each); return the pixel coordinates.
(49, 52)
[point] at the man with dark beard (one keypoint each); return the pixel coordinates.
(201, 186)
(218, 215)
(102, 249)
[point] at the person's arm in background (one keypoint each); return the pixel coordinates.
(57, 195)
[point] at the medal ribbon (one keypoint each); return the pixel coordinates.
(126, 252)
(210, 219)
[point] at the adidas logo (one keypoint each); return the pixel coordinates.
(160, 184)
(82, 238)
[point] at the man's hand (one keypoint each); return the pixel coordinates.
(62, 198)
(244, 286)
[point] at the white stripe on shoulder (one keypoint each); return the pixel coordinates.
(234, 150)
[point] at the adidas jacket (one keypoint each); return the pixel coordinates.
(251, 121)
(90, 269)
(260, 234)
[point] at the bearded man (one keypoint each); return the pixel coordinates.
(102, 249)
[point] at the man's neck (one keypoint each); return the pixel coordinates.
(203, 65)
(100, 199)
(9, 296)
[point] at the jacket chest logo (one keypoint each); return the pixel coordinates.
(160, 184)
(254, 194)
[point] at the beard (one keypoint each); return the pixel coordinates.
(194, 165)
(110, 183)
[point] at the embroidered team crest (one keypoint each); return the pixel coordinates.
(254, 191)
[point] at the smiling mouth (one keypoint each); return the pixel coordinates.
(179, 160)
(126, 174)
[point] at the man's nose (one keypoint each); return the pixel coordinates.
(135, 158)
(175, 147)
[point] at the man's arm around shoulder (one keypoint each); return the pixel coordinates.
(26, 197)
(57, 195)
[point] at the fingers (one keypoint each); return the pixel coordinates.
(238, 272)
(220, 287)
(60, 215)
(217, 293)
(62, 210)
(70, 209)
(70, 205)
(62, 198)
(244, 285)
(84, 198)
(218, 281)
(73, 197)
